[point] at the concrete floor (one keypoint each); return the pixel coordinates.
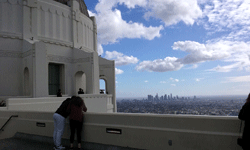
(32, 142)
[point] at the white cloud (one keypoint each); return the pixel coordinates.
(194, 66)
(146, 81)
(174, 80)
(99, 49)
(121, 59)
(173, 84)
(159, 65)
(234, 52)
(198, 79)
(133, 3)
(111, 26)
(201, 52)
(228, 15)
(228, 68)
(163, 82)
(118, 71)
(172, 11)
(238, 79)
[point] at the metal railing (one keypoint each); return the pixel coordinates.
(7, 122)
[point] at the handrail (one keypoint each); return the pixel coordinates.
(7, 122)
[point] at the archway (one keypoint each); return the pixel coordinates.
(26, 89)
(80, 81)
(103, 86)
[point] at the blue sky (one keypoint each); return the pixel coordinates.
(183, 47)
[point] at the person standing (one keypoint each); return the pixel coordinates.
(245, 115)
(59, 122)
(76, 107)
(59, 93)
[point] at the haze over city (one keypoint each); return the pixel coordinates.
(195, 47)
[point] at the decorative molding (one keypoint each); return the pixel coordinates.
(106, 66)
(12, 54)
(30, 3)
(81, 60)
(63, 59)
(60, 11)
(13, 2)
(15, 54)
(11, 35)
(56, 42)
(59, 58)
(27, 53)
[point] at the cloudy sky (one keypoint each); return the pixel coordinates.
(183, 47)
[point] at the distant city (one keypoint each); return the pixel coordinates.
(189, 105)
(167, 97)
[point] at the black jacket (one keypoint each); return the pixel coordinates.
(62, 110)
(245, 115)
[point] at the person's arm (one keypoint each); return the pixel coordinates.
(84, 108)
(244, 112)
(241, 114)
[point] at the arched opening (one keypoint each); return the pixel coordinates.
(80, 81)
(103, 86)
(26, 90)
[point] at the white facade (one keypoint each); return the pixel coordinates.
(46, 46)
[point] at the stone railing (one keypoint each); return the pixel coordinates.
(141, 131)
(95, 103)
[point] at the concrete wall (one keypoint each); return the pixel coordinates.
(101, 103)
(142, 131)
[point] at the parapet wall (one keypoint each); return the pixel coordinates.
(101, 103)
(142, 131)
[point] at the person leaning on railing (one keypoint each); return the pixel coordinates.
(245, 115)
(59, 122)
(76, 109)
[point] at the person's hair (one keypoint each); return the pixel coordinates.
(77, 101)
(248, 98)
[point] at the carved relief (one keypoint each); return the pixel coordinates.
(56, 42)
(106, 66)
(59, 58)
(27, 53)
(5, 53)
(13, 2)
(66, 59)
(82, 60)
(11, 35)
(55, 10)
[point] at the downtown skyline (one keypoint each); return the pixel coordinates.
(195, 47)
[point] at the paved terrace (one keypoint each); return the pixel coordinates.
(23, 141)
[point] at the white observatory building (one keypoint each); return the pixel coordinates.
(48, 45)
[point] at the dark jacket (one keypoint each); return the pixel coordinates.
(76, 113)
(245, 115)
(62, 110)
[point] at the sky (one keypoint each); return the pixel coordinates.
(183, 47)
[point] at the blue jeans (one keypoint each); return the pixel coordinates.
(59, 122)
